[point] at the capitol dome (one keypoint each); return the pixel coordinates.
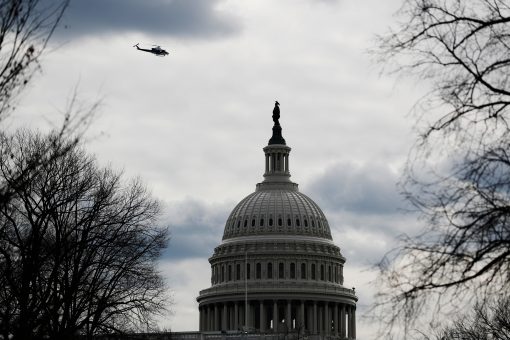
(273, 211)
(277, 269)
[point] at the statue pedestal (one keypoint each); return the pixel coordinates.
(277, 136)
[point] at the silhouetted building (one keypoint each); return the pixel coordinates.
(277, 268)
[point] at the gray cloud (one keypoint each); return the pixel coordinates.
(178, 18)
(196, 228)
(368, 189)
(366, 214)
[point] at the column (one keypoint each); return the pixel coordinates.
(203, 319)
(349, 322)
(231, 317)
(216, 326)
(335, 319)
(302, 316)
(342, 321)
(288, 315)
(262, 316)
(248, 315)
(354, 322)
(236, 315)
(315, 319)
(327, 319)
(208, 319)
(320, 320)
(309, 318)
(241, 315)
(224, 318)
(275, 316)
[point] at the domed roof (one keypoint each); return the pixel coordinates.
(276, 207)
(277, 211)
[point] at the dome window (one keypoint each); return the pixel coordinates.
(280, 222)
(297, 222)
(306, 223)
(238, 224)
(313, 271)
(292, 270)
(269, 270)
(253, 223)
(303, 271)
(270, 222)
(289, 222)
(281, 270)
(245, 223)
(313, 224)
(261, 222)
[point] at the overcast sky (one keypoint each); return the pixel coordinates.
(193, 124)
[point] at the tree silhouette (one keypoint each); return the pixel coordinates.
(457, 175)
(77, 246)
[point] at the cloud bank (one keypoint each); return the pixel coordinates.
(176, 18)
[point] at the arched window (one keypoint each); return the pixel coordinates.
(306, 223)
(292, 270)
(270, 222)
(313, 271)
(261, 222)
(248, 276)
(269, 270)
(245, 223)
(336, 274)
(222, 273)
(281, 270)
(238, 272)
(280, 222)
(322, 272)
(230, 272)
(253, 223)
(330, 276)
(313, 224)
(259, 271)
(289, 222)
(297, 222)
(303, 271)
(238, 224)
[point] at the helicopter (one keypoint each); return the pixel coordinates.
(156, 50)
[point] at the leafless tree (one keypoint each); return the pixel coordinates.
(462, 47)
(78, 246)
(490, 322)
(457, 176)
(25, 28)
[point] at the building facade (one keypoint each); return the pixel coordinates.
(277, 269)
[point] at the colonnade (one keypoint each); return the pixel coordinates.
(315, 317)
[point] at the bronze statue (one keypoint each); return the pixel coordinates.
(276, 113)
